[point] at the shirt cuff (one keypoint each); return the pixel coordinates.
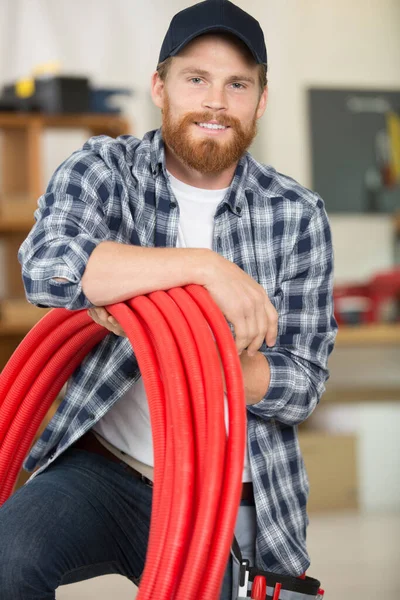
(281, 385)
(71, 266)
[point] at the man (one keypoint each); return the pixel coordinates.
(187, 204)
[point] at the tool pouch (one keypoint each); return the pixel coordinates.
(293, 588)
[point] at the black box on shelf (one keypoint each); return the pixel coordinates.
(62, 94)
(54, 95)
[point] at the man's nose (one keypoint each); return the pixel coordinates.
(215, 98)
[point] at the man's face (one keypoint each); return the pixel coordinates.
(210, 81)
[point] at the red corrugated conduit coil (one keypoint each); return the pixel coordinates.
(197, 467)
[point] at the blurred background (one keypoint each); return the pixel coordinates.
(71, 69)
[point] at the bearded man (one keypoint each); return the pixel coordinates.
(124, 217)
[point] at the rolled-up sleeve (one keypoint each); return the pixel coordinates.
(307, 328)
(70, 223)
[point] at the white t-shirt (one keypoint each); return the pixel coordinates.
(127, 424)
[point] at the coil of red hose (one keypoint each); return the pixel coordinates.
(197, 467)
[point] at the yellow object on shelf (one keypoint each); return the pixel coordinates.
(25, 88)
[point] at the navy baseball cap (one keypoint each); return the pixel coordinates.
(212, 16)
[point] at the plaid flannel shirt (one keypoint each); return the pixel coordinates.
(270, 226)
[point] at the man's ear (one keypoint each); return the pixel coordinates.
(157, 90)
(262, 103)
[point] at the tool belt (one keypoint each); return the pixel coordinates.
(293, 588)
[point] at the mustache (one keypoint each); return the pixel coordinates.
(226, 121)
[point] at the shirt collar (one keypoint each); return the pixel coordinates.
(237, 189)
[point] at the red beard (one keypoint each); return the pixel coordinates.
(209, 155)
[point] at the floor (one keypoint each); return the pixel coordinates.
(355, 557)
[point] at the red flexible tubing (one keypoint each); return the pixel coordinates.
(143, 344)
(231, 488)
(80, 316)
(163, 548)
(18, 388)
(173, 381)
(39, 415)
(15, 370)
(204, 526)
(179, 489)
(29, 345)
(190, 358)
(48, 385)
(189, 353)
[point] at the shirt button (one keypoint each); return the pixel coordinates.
(172, 204)
(239, 210)
(219, 242)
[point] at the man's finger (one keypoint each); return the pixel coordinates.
(102, 313)
(115, 327)
(261, 330)
(92, 314)
(272, 317)
(241, 334)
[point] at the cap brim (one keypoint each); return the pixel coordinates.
(216, 28)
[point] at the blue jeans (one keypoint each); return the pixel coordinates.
(84, 516)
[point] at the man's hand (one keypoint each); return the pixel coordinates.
(244, 303)
(101, 316)
(255, 369)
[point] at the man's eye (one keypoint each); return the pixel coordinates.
(236, 83)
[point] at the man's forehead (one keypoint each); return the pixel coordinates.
(211, 41)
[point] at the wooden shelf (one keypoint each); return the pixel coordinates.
(22, 183)
(10, 226)
(17, 316)
(9, 330)
(373, 335)
(16, 213)
(93, 121)
(355, 395)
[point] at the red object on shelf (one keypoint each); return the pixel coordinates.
(381, 287)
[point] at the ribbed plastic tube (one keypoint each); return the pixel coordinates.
(175, 336)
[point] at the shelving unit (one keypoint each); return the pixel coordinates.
(381, 341)
(21, 176)
(380, 334)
